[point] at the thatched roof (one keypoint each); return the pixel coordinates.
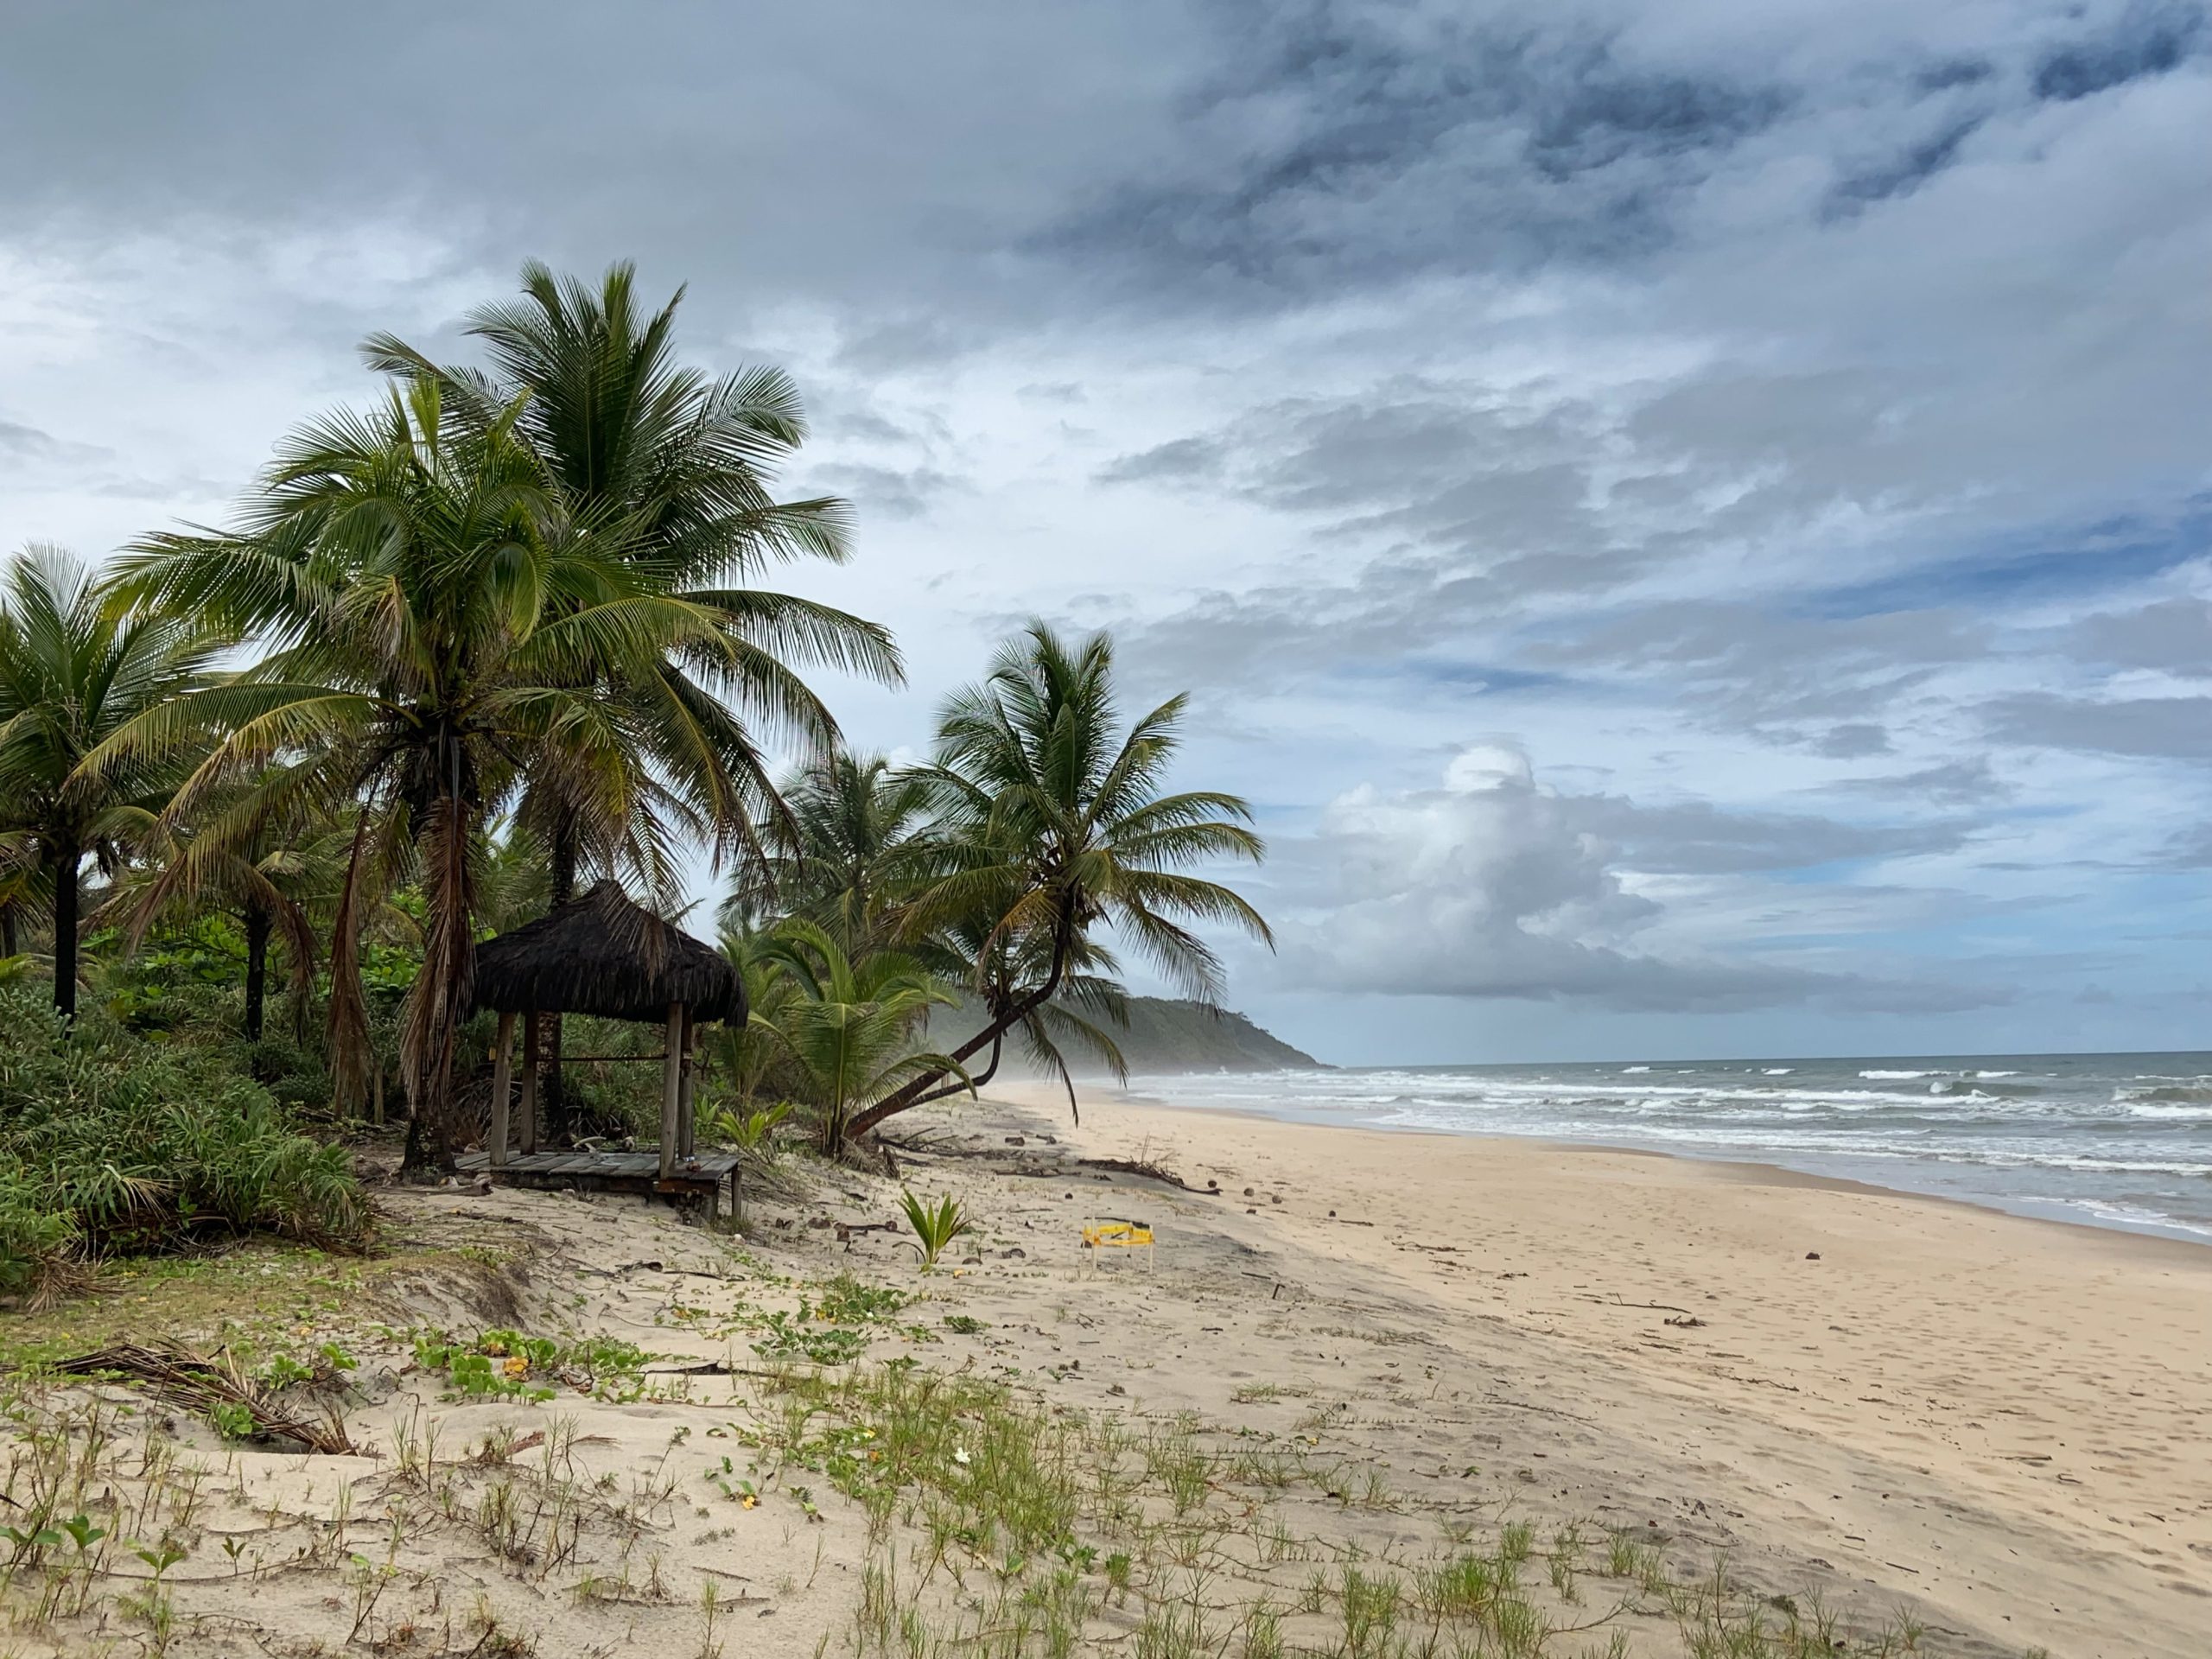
(604, 955)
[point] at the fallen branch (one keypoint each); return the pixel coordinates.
(1150, 1171)
(201, 1385)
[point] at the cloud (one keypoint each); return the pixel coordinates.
(2166, 728)
(1494, 886)
(889, 492)
(1786, 420)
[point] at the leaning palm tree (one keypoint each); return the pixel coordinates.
(432, 623)
(75, 671)
(848, 1025)
(683, 465)
(1053, 828)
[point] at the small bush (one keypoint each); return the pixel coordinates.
(113, 1143)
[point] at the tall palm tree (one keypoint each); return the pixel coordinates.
(683, 465)
(75, 671)
(433, 623)
(852, 847)
(1053, 830)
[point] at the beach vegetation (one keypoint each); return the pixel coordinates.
(934, 1226)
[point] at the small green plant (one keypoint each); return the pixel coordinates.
(965, 1324)
(935, 1226)
(749, 1133)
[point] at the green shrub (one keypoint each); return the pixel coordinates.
(111, 1143)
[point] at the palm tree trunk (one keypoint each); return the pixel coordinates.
(993, 1032)
(438, 1003)
(557, 1127)
(67, 856)
(258, 923)
(7, 931)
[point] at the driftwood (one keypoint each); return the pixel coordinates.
(200, 1384)
(1150, 1171)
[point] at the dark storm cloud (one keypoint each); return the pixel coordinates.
(2144, 41)
(1348, 142)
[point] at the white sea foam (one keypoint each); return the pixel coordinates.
(1893, 1076)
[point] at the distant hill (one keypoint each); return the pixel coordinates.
(1164, 1034)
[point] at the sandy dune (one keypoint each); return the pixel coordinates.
(1987, 1430)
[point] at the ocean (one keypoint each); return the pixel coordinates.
(2120, 1141)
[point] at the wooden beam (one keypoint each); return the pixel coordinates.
(671, 1088)
(687, 1128)
(531, 1025)
(501, 1060)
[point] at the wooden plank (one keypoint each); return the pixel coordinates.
(532, 1029)
(500, 1061)
(686, 1128)
(671, 1088)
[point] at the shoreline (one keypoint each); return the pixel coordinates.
(1987, 1398)
(2038, 1211)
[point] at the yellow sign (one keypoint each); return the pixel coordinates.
(1125, 1235)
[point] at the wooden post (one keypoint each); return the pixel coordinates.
(531, 1029)
(687, 1129)
(502, 1059)
(376, 1096)
(671, 1088)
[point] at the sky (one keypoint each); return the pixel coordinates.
(1691, 524)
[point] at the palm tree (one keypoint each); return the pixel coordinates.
(434, 624)
(1053, 828)
(849, 1026)
(75, 671)
(682, 466)
(258, 852)
(853, 846)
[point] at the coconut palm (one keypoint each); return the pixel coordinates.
(1052, 828)
(851, 848)
(258, 852)
(683, 465)
(848, 1025)
(75, 671)
(434, 622)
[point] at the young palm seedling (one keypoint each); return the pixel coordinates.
(935, 1226)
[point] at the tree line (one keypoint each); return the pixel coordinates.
(517, 611)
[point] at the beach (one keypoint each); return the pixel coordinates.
(1364, 1393)
(2006, 1417)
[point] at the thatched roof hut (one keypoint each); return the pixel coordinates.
(603, 953)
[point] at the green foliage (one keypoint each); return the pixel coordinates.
(847, 1023)
(507, 1364)
(832, 1329)
(751, 1133)
(935, 1226)
(110, 1142)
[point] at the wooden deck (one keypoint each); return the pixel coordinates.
(700, 1176)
